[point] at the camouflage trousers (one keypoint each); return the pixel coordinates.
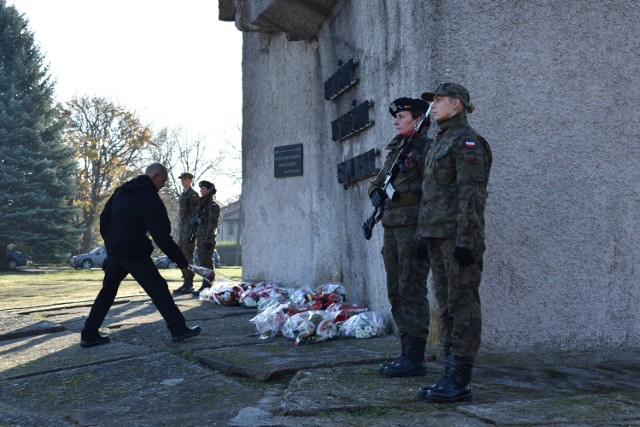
(407, 265)
(205, 254)
(458, 296)
(187, 249)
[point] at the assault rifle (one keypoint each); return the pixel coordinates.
(195, 222)
(387, 188)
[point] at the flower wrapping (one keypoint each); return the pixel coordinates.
(262, 291)
(341, 312)
(364, 325)
(301, 327)
(207, 273)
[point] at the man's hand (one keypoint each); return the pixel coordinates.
(464, 256)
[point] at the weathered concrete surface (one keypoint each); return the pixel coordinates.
(227, 376)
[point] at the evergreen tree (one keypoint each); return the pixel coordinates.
(37, 169)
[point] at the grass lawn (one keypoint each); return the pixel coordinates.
(51, 286)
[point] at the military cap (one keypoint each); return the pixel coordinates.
(449, 89)
(186, 175)
(408, 104)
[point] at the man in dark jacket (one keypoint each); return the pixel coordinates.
(134, 209)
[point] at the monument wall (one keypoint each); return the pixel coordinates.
(556, 87)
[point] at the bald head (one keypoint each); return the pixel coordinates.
(158, 174)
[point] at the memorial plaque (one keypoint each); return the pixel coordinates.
(287, 160)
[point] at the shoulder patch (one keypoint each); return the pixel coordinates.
(470, 144)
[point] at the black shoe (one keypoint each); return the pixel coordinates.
(412, 364)
(406, 368)
(404, 341)
(456, 387)
(185, 333)
(384, 366)
(183, 290)
(96, 340)
(449, 361)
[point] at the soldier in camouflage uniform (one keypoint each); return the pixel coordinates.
(189, 202)
(209, 214)
(405, 259)
(451, 221)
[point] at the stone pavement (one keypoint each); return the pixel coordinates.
(228, 377)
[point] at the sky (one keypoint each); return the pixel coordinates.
(171, 62)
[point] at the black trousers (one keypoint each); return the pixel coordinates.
(147, 275)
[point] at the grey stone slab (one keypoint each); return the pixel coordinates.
(278, 357)
(586, 409)
(54, 352)
(16, 325)
(151, 390)
(229, 331)
(11, 416)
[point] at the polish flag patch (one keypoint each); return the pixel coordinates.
(470, 144)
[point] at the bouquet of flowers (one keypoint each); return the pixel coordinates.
(222, 294)
(364, 325)
(301, 327)
(303, 296)
(333, 288)
(269, 321)
(207, 274)
(262, 291)
(341, 312)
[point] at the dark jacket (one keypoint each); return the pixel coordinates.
(454, 190)
(403, 212)
(134, 209)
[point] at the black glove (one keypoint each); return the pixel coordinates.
(377, 197)
(464, 256)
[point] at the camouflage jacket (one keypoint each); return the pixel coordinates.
(454, 190)
(189, 202)
(408, 184)
(209, 213)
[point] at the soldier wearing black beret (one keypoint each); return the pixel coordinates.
(209, 215)
(405, 259)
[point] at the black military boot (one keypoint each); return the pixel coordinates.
(457, 387)
(404, 340)
(412, 364)
(186, 288)
(449, 360)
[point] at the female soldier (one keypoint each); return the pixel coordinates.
(209, 214)
(405, 259)
(451, 221)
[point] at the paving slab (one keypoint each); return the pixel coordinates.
(139, 391)
(278, 357)
(41, 354)
(228, 376)
(17, 326)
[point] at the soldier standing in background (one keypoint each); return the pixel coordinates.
(189, 202)
(405, 259)
(451, 221)
(209, 215)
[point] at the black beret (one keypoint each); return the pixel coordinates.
(186, 175)
(207, 184)
(408, 104)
